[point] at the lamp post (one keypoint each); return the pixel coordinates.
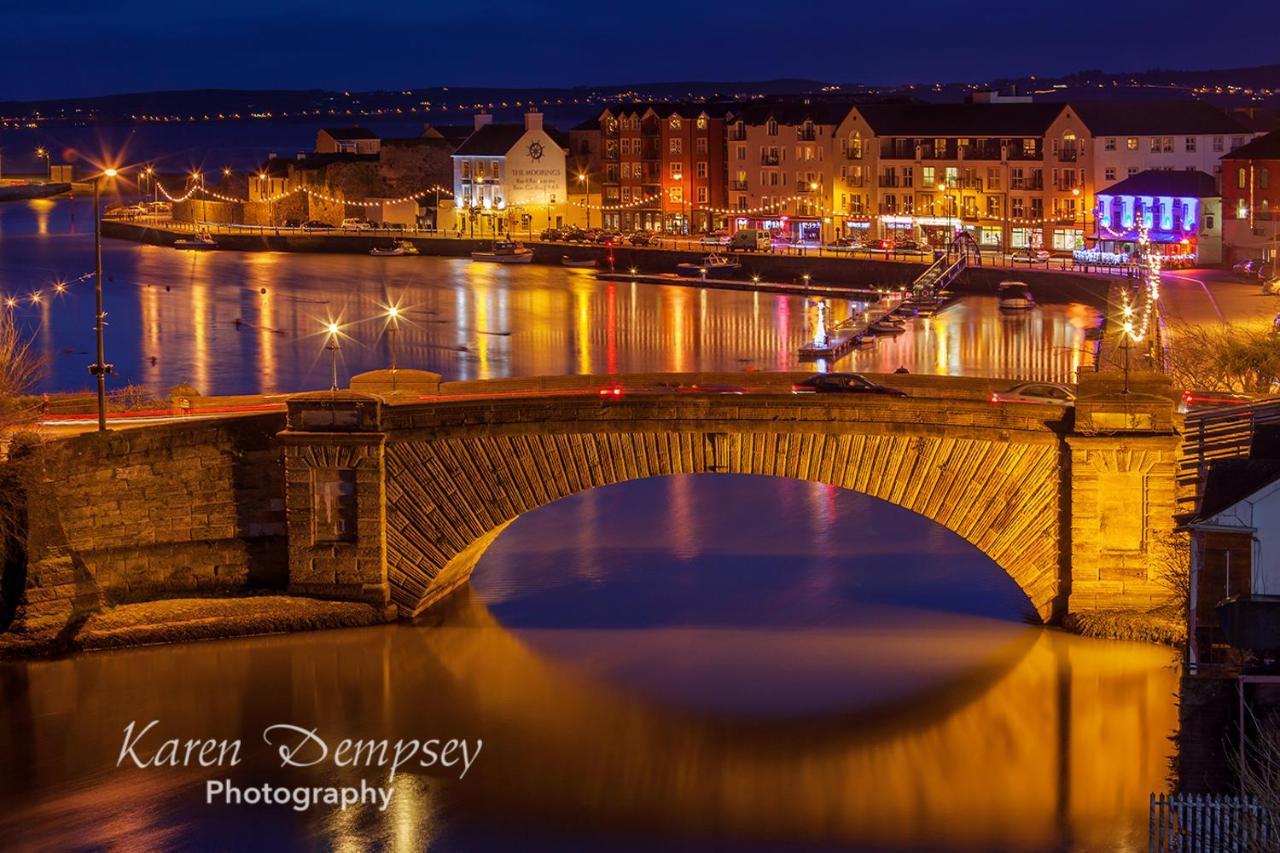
(393, 326)
(332, 344)
(150, 173)
(679, 176)
(99, 368)
(586, 203)
(43, 153)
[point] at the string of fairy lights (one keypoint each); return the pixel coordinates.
(1136, 319)
(314, 193)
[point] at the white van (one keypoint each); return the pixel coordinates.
(355, 223)
(751, 240)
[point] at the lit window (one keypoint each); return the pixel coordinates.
(1131, 143)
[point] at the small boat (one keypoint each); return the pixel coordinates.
(886, 326)
(711, 266)
(583, 263)
(399, 247)
(505, 253)
(1015, 296)
(203, 240)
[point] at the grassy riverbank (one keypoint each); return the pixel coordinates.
(185, 620)
(1147, 626)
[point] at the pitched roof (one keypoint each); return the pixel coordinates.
(350, 132)
(1185, 183)
(495, 140)
(1150, 118)
(1263, 148)
(792, 112)
(1230, 481)
(960, 119)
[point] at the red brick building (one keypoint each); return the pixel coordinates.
(662, 167)
(1251, 200)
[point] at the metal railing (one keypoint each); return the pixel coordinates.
(1222, 432)
(1204, 823)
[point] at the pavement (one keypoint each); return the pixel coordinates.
(1209, 296)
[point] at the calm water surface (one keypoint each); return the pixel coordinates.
(698, 662)
(232, 323)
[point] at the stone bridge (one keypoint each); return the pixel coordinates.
(394, 497)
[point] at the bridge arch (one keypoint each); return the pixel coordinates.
(395, 503)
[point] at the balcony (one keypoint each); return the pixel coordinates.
(888, 182)
(739, 186)
(1020, 154)
(852, 181)
(853, 154)
(806, 134)
(804, 188)
(897, 151)
(981, 152)
(1067, 155)
(770, 159)
(1026, 184)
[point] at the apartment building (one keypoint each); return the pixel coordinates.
(1133, 137)
(661, 166)
(1251, 200)
(781, 164)
(1013, 174)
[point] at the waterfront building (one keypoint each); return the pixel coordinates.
(1251, 200)
(1181, 211)
(347, 140)
(509, 178)
(1009, 173)
(781, 167)
(1127, 138)
(662, 166)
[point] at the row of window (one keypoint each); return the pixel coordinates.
(635, 146)
(633, 123)
(481, 170)
(1165, 144)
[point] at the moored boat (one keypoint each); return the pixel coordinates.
(203, 240)
(504, 253)
(712, 266)
(582, 263)
(399, 247)
(1015, 296)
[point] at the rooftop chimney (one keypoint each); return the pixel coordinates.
(482, 119)
(533, 120)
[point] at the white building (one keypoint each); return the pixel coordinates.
(511, 178)
(1130, 138)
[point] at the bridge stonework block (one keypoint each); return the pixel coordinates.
(1122, 469)
(335, 497)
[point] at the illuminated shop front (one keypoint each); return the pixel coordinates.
(1180, 210)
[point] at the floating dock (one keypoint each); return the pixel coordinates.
(851, 333)
(833, 291)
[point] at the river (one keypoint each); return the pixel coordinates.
(697, 662)
(231, 323)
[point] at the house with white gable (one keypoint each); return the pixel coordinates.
(511, 179)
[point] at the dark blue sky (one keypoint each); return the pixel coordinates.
(87, 47)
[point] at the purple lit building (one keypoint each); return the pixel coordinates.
(1181, 210)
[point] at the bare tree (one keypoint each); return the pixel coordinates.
(1225, 358)
(19, 369)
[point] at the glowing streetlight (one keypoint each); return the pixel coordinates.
(393, 326)
(332, 344)
(43, 153)
(586, 189)
(99, 369)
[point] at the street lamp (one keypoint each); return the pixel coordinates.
(43, 152)
(99, 368)
(679, 176)
(586, 203)
(1075, 191)
(393, 326)
(813, 187)
(332, 344)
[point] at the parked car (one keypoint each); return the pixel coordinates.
(642, 238)
(715, 238)
(1036, 392)
(910, 246)
(751, 240)
(315, 225)
(355, 223)
(1248, 268)
(880, 246)
(844, 244)
(1030, 256)
(291, 223)
(574, 235)
(842, 383)
(552, 234)
(608, 238)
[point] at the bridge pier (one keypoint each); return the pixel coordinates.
(335, 497)
(1122, 458)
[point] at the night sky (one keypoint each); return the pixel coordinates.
(86, 47)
